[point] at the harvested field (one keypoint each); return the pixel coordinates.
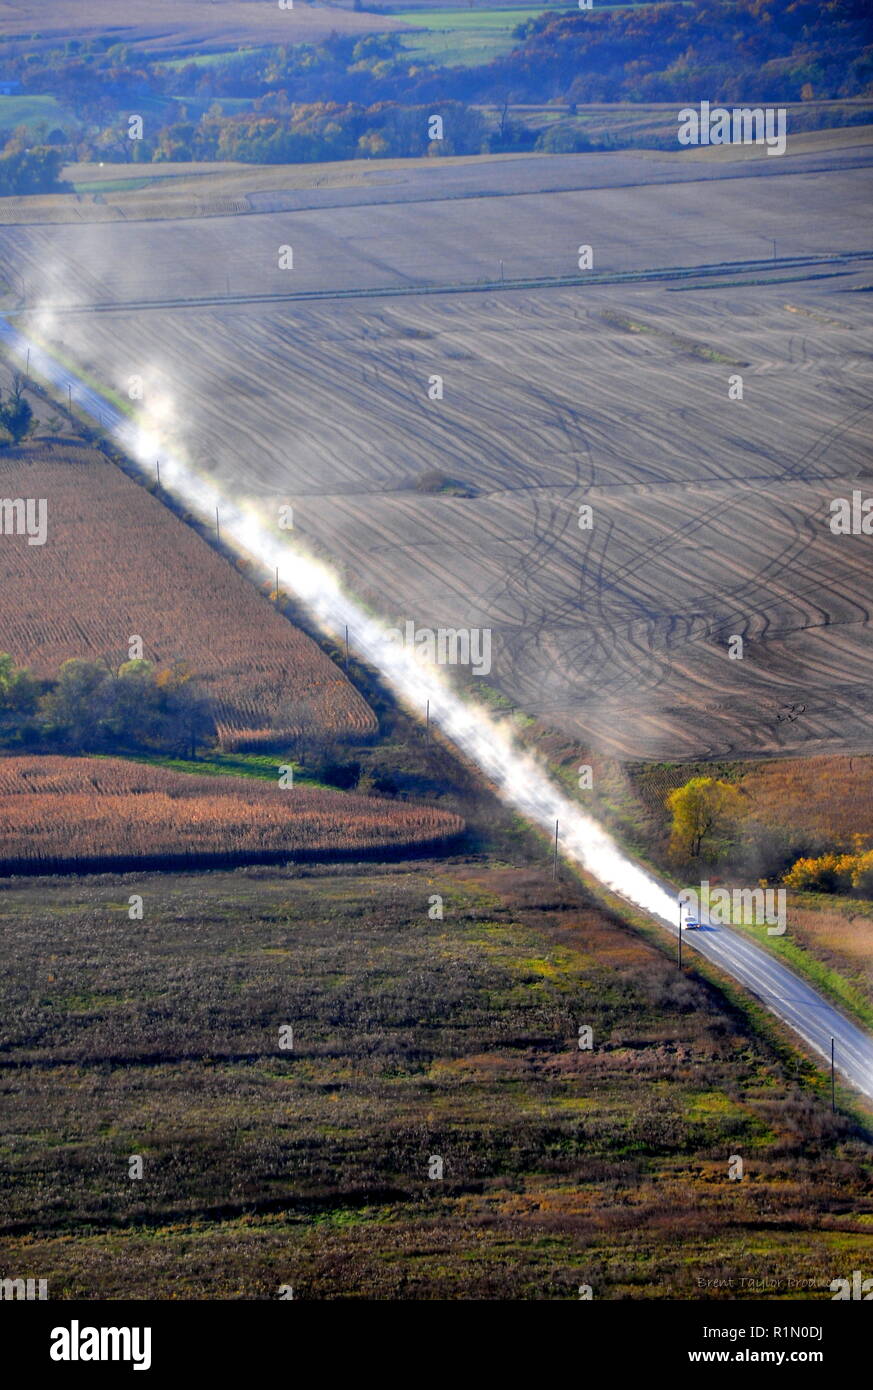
(59, 814)
(710, 515)
(442, 226)
(118, 563)
(179, 26)
(175, 191)
(172, 190)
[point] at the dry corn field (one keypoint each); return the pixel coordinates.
(57, 812)
(831, 797)
(118, 563)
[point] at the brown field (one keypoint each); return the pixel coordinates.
(179, 26)
(829, 797)
(411, 1037)
(445, 223)
(59, 813)
(188, 190)
(840, 935)
(216, 189)
(710, 514)
(118, 563)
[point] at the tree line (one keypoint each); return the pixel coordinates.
(92, 706)
(729, 51)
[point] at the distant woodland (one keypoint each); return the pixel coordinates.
(271, 105)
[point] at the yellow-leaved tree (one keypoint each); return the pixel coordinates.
(703, 809)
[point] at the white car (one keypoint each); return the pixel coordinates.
(691, 924)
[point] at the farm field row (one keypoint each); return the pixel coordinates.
(58, 814)
(117, 564)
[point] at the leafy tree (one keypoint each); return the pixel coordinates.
(19, 691)
(92, 706)
(703, 809)
(186, 713)
(79, 709)
(862, 874)
(136, 716)
(33, 170)
(16, 415)
(833, 873)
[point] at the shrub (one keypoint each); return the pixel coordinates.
(862, 873)
(829, 873)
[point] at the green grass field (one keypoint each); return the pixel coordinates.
(31, 110)
(258, 765)
(113, 185)
(453, 48)
(470, 19)
(206, 60)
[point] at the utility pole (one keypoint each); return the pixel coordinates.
(555, 864)
(833, 1081)
(277, 583)
(70, 399)
(347, 648)
(680, 936)
(158, 470)
(27, 368)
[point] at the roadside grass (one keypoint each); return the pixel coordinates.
(77, 373)
(836, 986)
